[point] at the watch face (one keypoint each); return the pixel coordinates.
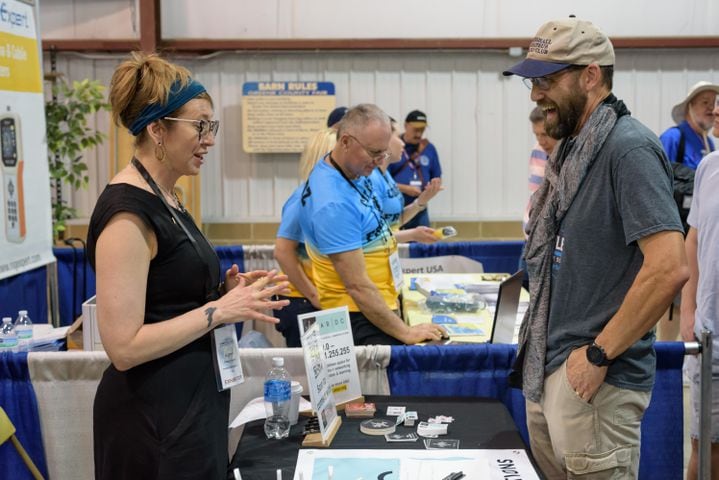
(595, 355)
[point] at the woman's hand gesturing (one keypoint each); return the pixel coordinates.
(251, 296)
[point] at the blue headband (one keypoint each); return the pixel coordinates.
(177, 98)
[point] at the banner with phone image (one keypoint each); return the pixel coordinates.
(26, 225)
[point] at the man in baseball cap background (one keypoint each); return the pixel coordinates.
(605, 258)
(418, 166)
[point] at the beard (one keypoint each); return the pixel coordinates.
(568, 113)
(705, 124)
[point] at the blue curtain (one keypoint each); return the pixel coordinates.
(229, 255)
(662, 427)
(458, 371)
(76, 282)
(76, 279)
(26, 291)
(501, 257)
(17, 398)
(481, 371)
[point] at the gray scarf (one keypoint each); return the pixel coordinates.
(563, 176)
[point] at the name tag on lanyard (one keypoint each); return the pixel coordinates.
(226, 357)
(396, 269)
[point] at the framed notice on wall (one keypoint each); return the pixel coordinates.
(279, 117)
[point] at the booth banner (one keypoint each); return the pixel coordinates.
(441, 264)
(26, 225)
(279, 117)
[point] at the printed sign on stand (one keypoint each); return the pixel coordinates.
(323, 402)
(338, 351)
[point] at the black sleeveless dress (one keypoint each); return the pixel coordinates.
(163, 419)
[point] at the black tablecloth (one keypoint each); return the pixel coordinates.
(478, 423)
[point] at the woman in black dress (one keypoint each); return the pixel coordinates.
(158, 413)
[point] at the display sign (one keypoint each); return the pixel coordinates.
(26, 224)
(437, 464)
(323, 402)
(338, 352)
(279, 117)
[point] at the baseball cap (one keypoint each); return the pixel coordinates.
(336, 115)
(416, 118)
(561, 43)
(679, 110)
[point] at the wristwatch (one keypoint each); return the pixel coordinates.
(597, 356)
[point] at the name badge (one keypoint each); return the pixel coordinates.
(228, 370)
(396, 269)
(415, 183)
(687, 201)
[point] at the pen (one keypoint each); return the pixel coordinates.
(454, 476)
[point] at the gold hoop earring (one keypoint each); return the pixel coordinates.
(159, 152)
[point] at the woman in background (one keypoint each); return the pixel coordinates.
(158, 413)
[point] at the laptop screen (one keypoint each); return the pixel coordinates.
(505, 313)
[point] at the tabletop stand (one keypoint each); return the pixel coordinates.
(315, 439)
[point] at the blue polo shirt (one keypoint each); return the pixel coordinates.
(424, 168)
(694, 149)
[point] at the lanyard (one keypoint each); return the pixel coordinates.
(213, 292)
(364, 195)
(377, 210)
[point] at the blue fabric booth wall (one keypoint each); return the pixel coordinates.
(76, 280)
(26, 291)
(481, 371)
(17, 398)
(498, 257)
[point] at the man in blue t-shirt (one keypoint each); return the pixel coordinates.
(419, 165)
(688, 141)
(351, 246)
(693, 117)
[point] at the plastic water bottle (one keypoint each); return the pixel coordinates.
(23, 329)
(8, 337)
(277, 400)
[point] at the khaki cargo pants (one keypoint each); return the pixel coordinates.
(571, 438)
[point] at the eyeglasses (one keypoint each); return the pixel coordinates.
(374, 155)
(203, 126)
(545, 83)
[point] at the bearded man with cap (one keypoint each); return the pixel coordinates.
(605, 258)
(418, 167)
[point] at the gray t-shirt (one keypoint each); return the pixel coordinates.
(704, 216)
(625, 196)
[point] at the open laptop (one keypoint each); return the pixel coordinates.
(505, 312)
